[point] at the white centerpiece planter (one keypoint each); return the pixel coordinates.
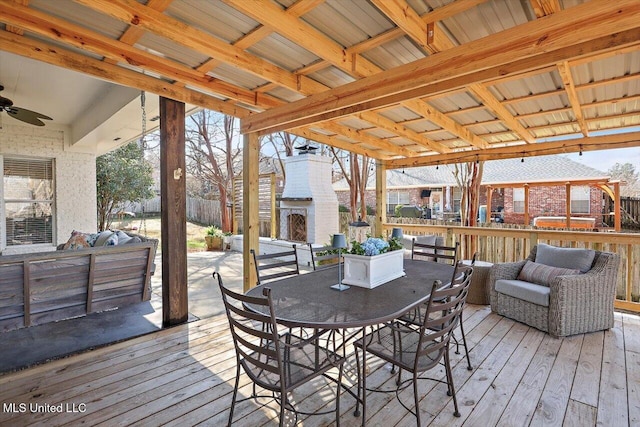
(372, 271)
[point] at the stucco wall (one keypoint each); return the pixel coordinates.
(75, 178)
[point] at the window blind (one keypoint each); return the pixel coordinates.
(28, 201)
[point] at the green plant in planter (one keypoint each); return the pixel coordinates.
(213, 238)
(214, 231)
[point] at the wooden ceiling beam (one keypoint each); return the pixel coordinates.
(403, 15)
(435, 15)
(269, 14)
(336, 142)
(538, 44)
(82, 38)
(593, 143)
(492, 103)
(439, 43)
(329, 50)
(297, 9)
(272, 16)
(131, 11)
(447, 123)
(576, 182)
(543, 8)
(133, 33)
(388, 124)
(12, 28)
(572, 94)
(363, 137)
(55, 55)
(612, 42)
(406, 18)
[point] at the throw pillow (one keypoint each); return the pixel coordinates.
(77, 241)
(542, 274)
(582, 259)
(91, 238)
(123, 238)
(104, 238)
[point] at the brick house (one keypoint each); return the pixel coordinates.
(435, 189)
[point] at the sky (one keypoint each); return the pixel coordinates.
(603, 160)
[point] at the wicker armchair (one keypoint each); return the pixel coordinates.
(577, 303)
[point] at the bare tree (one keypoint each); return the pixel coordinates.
(213, 156)
(357, 174)
(282, 142)
(469, 176)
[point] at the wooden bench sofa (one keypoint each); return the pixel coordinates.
(48, 286)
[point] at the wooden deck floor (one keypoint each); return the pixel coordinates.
(184, 376)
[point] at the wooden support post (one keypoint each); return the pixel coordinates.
(234, 208)
(251, 226)
(274, 223)
(568, 204)
(616, 207)
(92, 273)
(26, 292)
(489, 210)
(175, 307)
(526, 204)
(381, 196)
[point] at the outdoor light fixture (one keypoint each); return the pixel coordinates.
(339, 241)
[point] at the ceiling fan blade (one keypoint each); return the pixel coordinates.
(27, 116)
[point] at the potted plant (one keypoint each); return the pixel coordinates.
(213, 238)
(373, 262)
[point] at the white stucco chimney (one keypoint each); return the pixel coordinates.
(308, 186)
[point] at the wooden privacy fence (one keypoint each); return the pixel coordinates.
(267, 215)
(630, 211)
(199, 210)
(511, 244)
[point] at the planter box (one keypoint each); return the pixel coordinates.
(213, 243)
(372, 271)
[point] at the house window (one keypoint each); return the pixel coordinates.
(27, 201)
(397, 197)
(580, 200)
(518, 200)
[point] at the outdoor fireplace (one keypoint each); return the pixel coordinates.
(308, 192)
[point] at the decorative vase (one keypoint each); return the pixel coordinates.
(371, 271)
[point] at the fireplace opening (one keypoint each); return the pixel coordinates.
(297, 227)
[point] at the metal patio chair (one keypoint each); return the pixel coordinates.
(420, 350)
(278, 265)
(276, 362)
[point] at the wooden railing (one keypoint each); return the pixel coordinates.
(511, 244)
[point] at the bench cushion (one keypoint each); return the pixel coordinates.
(582, 259)
(542, 274)
(536, 294)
